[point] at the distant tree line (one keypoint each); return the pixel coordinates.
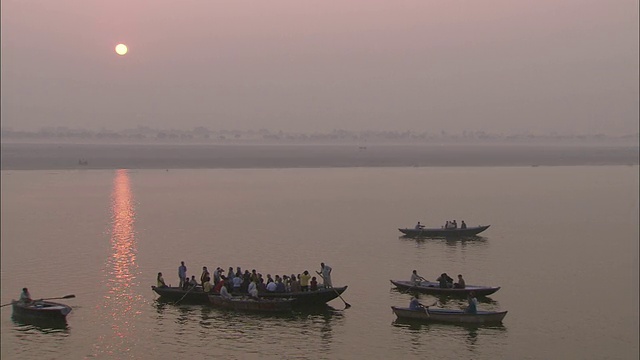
(202, 134)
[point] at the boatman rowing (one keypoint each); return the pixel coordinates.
(325, 273)
(416, 279)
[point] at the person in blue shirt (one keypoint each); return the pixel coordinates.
(473, 304)
(415, 304)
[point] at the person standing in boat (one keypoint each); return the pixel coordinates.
(473, 304)
(304, 281)
(460, 284)
(205, 276)
(325, 273)
(25, 297)
(182, 274)
(416, 279)
(161, 283)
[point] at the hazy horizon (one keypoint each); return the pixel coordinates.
(496, 66)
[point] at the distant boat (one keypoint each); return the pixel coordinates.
(442, 232)
(450, 315)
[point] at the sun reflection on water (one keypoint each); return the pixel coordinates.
(119, 309)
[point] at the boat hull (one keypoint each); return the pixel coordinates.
(173, 294)
(40, 311)
(450, 316)
(433, 288)
(304, 298)
(246, 304)
(435, 232)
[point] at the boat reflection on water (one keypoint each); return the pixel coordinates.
(40, 325)
(451, 241)
(119, 308)
(315, 322)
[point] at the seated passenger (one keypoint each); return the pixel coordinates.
(280, 287)
(314, 284)
(463, 225)
(473, 304)
(445, 281)
(160, 281)
(253, 290)
(193, 282)
(25, 297)
(415, 304)
(460, 284)
(419, 226)
(225, 293)
(219, 284)
(271, 286)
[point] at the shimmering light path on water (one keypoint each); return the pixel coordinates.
(558, 234)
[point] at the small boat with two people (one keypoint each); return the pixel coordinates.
(468, 315)
(449, 315)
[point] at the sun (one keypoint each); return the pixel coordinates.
(121, 49)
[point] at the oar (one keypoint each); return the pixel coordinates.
(70, 296)
(346, 304)
(185, 294)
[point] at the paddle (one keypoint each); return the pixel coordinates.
(185, 294)
(70, 296)
(426, 307)
(346, 304)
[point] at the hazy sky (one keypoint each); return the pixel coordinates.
(501, 66)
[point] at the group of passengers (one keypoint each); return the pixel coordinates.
(444, 281)
(448, 225)
(249, 282)
(454, 225)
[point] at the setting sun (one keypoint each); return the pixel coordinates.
(121, 49)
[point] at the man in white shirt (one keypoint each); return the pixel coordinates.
(271, 286)
(325, 273)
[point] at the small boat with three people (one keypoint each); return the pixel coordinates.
(443, 232)
(434, 288)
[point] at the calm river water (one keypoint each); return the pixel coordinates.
(563, 245)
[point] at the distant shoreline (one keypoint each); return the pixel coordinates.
(63, 156)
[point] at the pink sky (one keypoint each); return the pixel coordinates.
(500, 66)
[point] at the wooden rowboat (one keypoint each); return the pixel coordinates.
(433, 288)
(172, 294)
(40, 310)
(246, 304)
(449, 316)
(442, 232)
